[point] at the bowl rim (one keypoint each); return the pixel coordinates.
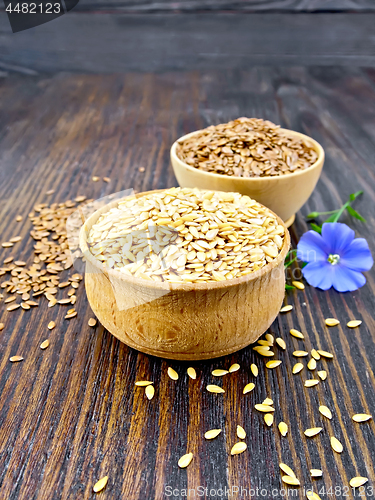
(177, 286)
(318, 148)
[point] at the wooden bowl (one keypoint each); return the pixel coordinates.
(284, 194)
(186, 321)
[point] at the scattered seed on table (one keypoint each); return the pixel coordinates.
(241, 433)
(322, 374)
(1, 326)
(219, 373)
(325, 354)
(311, 365)
(263, 351)
(283, 428)
(7, 244)
(273, 363)
(332, 321)
(215, 388)
(150, 391)
(300, 354)
(44, 344)
(92, 322)
(64, 301)
(185, 460)
(361, 417)
(15, 359)
(8, 260)
(234, 368)
(315, 354)
(357, 482)
(288, 471)
(313, 431)
(270, 338)
(325, 411)
(265, 343)
(238, 448)
(281, 343)
(212, 433)
(70, 315)
(192, 373)
(298, 284)
(248, 388)
(101, 484)
(264, 408)
(172, 373)
(268, 418)
(141, 169)
(286, 309)
(268, 402)
(50, 191)
(263, 346)
(354, 323)
(336, 445)
(316, 473)
(18, 218)
(292, 481)
(51, 325)
(13, 307)
(95, 178)
(15, 239)
(311, 382)
(297, 368)
(254, 369)
(25, 306)
(143, 383)
(106, 179)
(297, 334)
(311, 495)
(10, 299)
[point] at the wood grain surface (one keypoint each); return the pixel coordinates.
(242, 5)
(71, 414)
(159, 42)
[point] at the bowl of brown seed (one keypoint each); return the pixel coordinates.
(275, 166)
(185, 273)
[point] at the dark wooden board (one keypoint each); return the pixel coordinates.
(115, 43)
(70, 414)
(242, 5)
(231, 5)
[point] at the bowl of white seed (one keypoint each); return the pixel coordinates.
(185, 273)
(275, 166)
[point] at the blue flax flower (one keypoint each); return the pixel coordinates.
(334, 258)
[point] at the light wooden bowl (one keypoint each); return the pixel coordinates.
(186, 321)
(284, 194)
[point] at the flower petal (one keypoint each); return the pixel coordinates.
(318, 274)
(357, 256)
(312, 248)
(346, 280)
(337, 236)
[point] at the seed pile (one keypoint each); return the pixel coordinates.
(51, 257)
(187, 235)
(246, 147)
